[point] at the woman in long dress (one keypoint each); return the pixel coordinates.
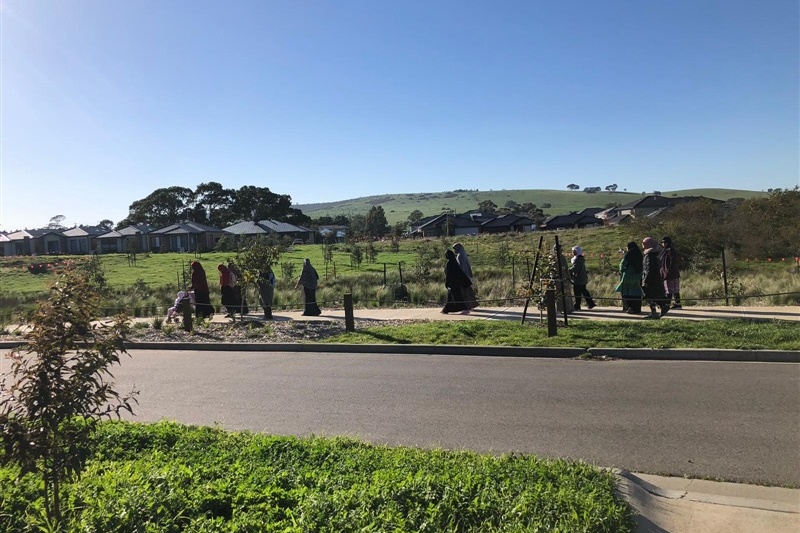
(456, 281)
(202, 295)
(308, 280)
(468, 293)
(630, 283)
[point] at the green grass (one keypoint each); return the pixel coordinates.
(167, 477)
(398, 206)
(501, 264)
(720, 334)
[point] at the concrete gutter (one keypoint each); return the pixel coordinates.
(679, 504)
(699, 354)
(633, 354)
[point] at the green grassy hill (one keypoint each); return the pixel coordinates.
(398, 206)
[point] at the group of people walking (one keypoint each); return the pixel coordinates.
(232, 296)
(650, 273)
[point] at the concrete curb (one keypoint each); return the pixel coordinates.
(718, 493)
(699, 354)
(400, 349)
(631, 354)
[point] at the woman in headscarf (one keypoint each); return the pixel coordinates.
(468, 293)
(227, 284)
(652, 284)
(202, 295)
(580, 278)
(630, 283)
(308, 280)
(456, 281)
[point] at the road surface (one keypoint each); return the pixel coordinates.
(734, 421)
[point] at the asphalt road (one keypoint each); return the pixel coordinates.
(734, 421)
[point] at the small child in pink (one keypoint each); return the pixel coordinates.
(179, 303)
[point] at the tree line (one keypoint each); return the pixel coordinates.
(212, 204)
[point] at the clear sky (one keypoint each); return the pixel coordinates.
(105, 101)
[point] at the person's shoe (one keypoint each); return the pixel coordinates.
(592, 306)
(632, 312)
(677, 306)
(664, 309)
(652, 316)
(576, 308)
(465, 312)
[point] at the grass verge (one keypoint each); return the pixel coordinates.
(168, 477)
(719, 334)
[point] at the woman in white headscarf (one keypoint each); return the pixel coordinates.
(580, 278)
(468, 293)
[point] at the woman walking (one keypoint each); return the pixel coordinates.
(456, 281)
(580, 278)
(630, 283)
(202, 295)
(227, 284)
(468, 293)
(652, 284)
(308, 280)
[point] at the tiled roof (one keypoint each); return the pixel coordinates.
(83, 231)
(508, 219)
(185, 227)
(265, 226)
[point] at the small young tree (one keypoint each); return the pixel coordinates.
(58, 387)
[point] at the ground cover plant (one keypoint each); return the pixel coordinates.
(167, 477)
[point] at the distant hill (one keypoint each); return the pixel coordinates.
(398, 206)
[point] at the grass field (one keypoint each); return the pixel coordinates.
(502, 265)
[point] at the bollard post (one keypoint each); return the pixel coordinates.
(187, 314)
(550, 302)
(725, 277)
(349, 324)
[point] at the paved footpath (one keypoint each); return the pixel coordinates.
(499, 312)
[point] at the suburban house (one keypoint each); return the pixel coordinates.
(470, 223)
(82, 239)
(339, 232)
(268, 227)
(572, 220)
(34, 242)
(184, 237)
(129, 239)
(508, 223)
(446, 224)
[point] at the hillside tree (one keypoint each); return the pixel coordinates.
(375, 223)
(573, 186)
(415, 216)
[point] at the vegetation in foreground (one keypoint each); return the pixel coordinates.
(719, 334)
(167, 477)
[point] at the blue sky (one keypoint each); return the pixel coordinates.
(105, 101)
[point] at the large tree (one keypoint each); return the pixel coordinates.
(161, 207)
(376, 225)
(213, 204)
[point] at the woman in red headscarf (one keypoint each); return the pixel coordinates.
(202, 295)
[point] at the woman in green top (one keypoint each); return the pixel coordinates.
(630, 285)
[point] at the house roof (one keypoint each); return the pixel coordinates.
(84, 231)
(509, 220)
(135, 229)
(571, 219)
(617, 219)
(185, 227)
(457, 221)
(113, 234)
(591, 211)
(31, 234)
(265, 227)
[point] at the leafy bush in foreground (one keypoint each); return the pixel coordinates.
(170, 478)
